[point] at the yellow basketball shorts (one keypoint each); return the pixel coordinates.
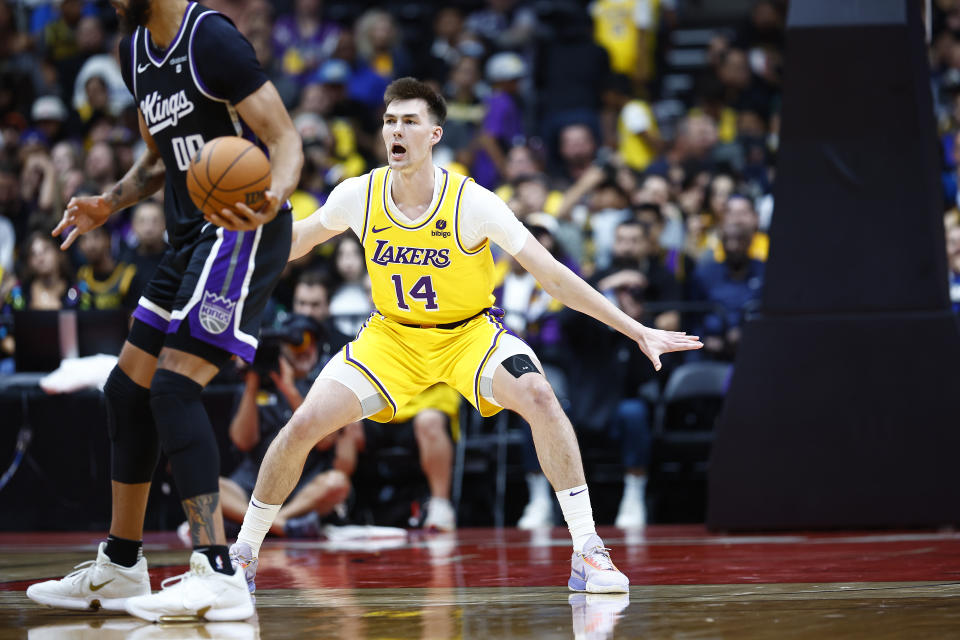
(388, 364)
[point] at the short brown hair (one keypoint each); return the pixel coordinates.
(412, 89)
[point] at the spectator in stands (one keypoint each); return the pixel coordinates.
(465, 111)
(503, 124)
(570, 86)
(349, 122)
(655, 189)
(953, 261)
(38, 186)
(100, 168)
(149, 227)
(732, 287)
(692, 149)
(627, 30)
(286, 86)
(636, 135)
(676, 261)
(503, 24)
(47, 282)
(263, 409)
(104, 282)
(635, 267)
(437, 61)
(49, 116)
(311, 298)
(740, 211)
(380, 57)
(350, 304)
(577, 149)
(303, 40)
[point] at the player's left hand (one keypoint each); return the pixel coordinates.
(243, 218)
(656, 342)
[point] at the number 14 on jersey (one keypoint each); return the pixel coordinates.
(421, 290)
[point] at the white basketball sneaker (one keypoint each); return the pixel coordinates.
(94, 585)
(594, 572)
(440, 515)
(201, 593)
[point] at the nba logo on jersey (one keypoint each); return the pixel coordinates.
(215, 312)
(219, 562)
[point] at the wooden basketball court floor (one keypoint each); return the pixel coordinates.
(489, 583)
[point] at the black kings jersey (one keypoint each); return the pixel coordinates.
(187, 94)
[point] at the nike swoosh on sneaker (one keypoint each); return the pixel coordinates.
(375, 230)
(573, 493)
(97, 587)
(582, 574)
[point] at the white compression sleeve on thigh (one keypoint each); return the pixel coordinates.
(575, 504)
(256, 523)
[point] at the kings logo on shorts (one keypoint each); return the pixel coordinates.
(215, 312)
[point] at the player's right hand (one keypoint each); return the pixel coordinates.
(83, 213)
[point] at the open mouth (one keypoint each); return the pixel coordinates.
(397, 151)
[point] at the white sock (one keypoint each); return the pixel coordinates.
(256, 523)
(635, 483)
(575, 504)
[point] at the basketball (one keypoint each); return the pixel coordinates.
(228, 170)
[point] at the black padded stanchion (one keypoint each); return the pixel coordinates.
(844, 408)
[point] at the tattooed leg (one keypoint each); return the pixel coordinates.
(206, 519)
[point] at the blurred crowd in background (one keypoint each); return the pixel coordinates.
(637, 143)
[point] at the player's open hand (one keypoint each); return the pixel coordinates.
(82, 214)
(243, 218)
(656, 342)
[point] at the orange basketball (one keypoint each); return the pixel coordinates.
(228, 170)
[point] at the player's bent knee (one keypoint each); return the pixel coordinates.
(169, 393)
(534, 393)
(133, 436)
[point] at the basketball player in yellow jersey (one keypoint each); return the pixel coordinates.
(426, 234)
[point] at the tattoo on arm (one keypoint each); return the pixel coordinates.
(144, 177)
(200, 512)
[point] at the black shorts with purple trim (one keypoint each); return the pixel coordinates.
(218, 285)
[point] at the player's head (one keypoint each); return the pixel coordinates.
(412, 123)
(132, 13)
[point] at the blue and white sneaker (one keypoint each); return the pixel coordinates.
(594, 572)
(242, 557)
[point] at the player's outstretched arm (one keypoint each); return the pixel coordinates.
(88, 212)
(264, 112)
(568, 288)
(308, 233)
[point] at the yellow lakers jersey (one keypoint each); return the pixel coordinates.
(421, 273)
(614, 28)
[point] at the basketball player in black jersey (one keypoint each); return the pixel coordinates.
(194, 77)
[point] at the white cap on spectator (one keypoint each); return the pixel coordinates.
(543, 221)
(505, 66)
(48, 108)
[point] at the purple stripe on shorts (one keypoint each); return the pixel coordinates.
(383, 391)
(144, 315)
(214, 318)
